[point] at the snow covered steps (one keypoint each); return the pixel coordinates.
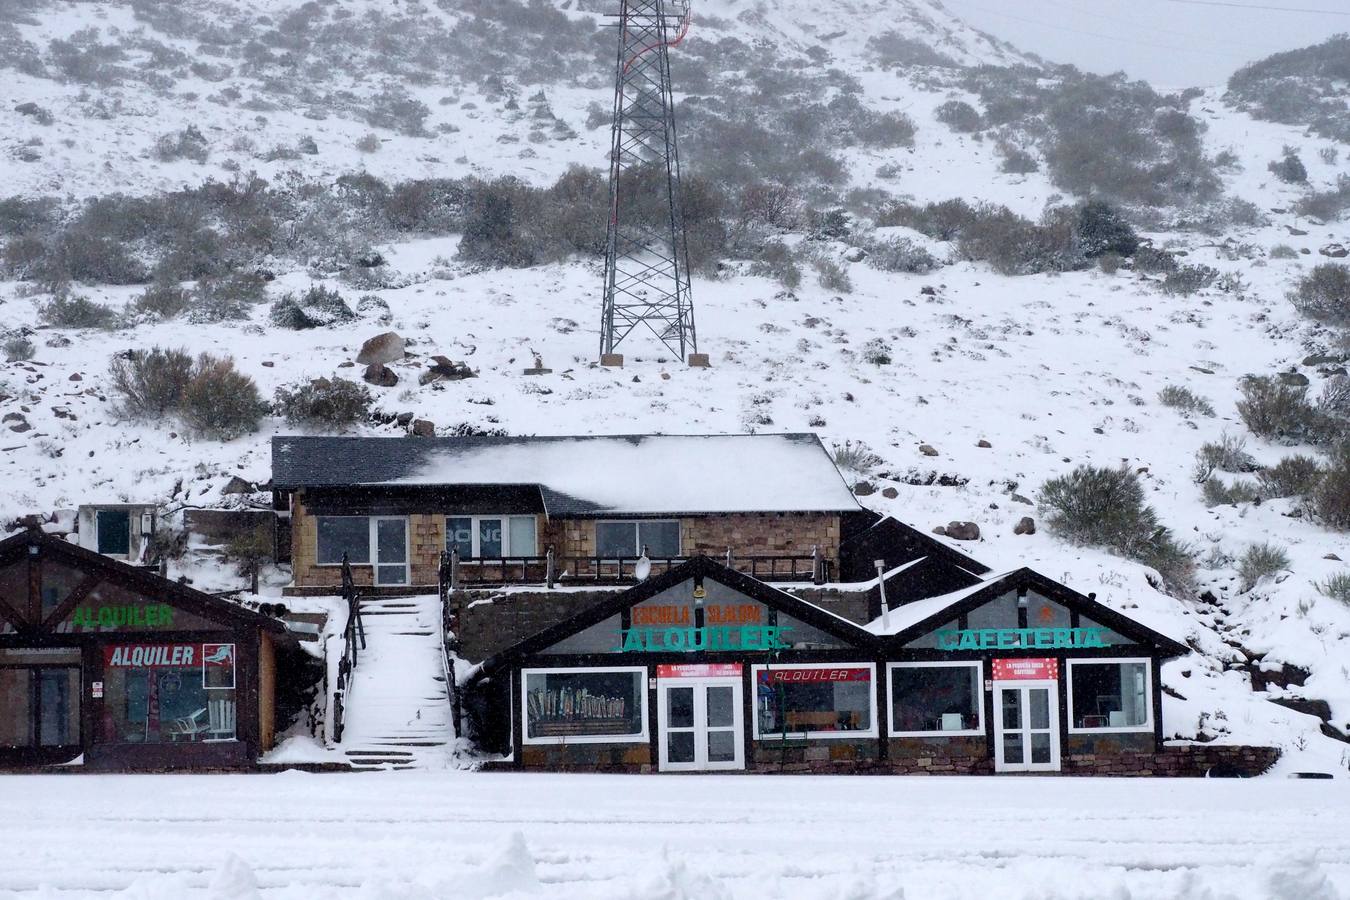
(398, 709)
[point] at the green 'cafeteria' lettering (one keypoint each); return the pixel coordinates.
(154, 615)
(1021, 638)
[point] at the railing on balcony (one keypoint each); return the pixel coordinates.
(552, 570)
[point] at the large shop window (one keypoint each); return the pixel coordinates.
(657, 539)
(168, 693)
(1110, 695)
(573, 706)
(491, 537)
(39, 698)
(823, 701)
(936, 699)
(343, 534)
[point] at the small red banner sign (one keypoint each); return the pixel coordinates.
(814, 676)
(699, 670)
(1034, 669)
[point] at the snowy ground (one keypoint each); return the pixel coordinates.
(466, 835)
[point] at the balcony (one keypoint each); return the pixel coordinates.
(550, 570)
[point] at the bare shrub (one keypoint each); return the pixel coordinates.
(1283, 251)
(330, 403)
(1105, 507)
(1217, 493)
(315, 308)
(1261, 561)
(877, 352)
(219, 401)
(1154, 262)
(832, 276)
(1331, 500)
(776, 261)
(892, 48)
(1324, 294)
(163, 300)
(1293, 476)
(1326, 205)
(149, 384)
(1181, 398)
(1273, 409)
(1016, 160)
(67, 310)
(394, 108)
(18, 348)
(229, 297)
(1109, 263)
(368, 143)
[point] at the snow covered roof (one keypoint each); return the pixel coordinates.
(907, 616)
(590, 475)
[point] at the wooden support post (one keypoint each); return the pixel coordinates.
(817, 565)
(550, 574)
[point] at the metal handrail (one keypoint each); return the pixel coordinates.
(550, 569)
(353, 641)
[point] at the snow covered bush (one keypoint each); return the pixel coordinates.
(149, 384)
(832, 276)
(1283, 251)
(1187, 280)
(67, 310)
(1105, 507)
(1273, 409)
(1324, 294)
(776, 261)
(959, 116)
(899, 254)
(324, 403)
(1227, 454)
(315, 308)
(1326, 205)
(1293, 476)
(1016, 160)
(395, 109)
(876, 352)
(1184, 399)
(892, 49)
(1290, 169)
(189, 143)
(1013, 245)
(18, 349)
(1154, 262)
(219, 401)
(856, 456)
(1261, 561)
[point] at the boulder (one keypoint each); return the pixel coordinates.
(423, 428)
(382, 349)
(890, 493)
(963, 531)
(1018, 498)
(445, 369)
(928, 450)
(379, 375)
(940, 529)
(1025, 525)
(864, 489)
(237, 485)
(983, 444)
(1335, 251)
(404, 419)
(855, 254)
(1295, 379)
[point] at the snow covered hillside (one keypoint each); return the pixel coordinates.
(1052, 369)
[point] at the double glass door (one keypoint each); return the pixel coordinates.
(702, 724)
(40, 706)
(1026, 726)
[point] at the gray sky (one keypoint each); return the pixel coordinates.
(1172, 43)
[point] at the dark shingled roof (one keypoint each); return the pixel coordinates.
(577, 476)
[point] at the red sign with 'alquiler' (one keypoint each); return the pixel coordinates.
(1033, 669)
(814, 675)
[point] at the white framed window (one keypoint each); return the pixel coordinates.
(815, 700)
(935, 699)
(627, 538)
(343, 534)
(1110, 695)
(584, 706)
(491, 537)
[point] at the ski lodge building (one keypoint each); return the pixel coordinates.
(646, 603)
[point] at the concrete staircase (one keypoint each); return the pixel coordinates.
(398, 708)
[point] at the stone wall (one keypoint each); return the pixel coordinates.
(748, 534)
(489, 621)
(1180, 760)
(587, 757)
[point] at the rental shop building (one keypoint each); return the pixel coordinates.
(702, 668)
(112, 666)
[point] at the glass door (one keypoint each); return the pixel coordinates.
(391, 551)
(701, 724)
(1026, 726)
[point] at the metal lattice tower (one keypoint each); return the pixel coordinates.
(646, 256)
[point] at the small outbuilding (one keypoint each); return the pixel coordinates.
(111, 666)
